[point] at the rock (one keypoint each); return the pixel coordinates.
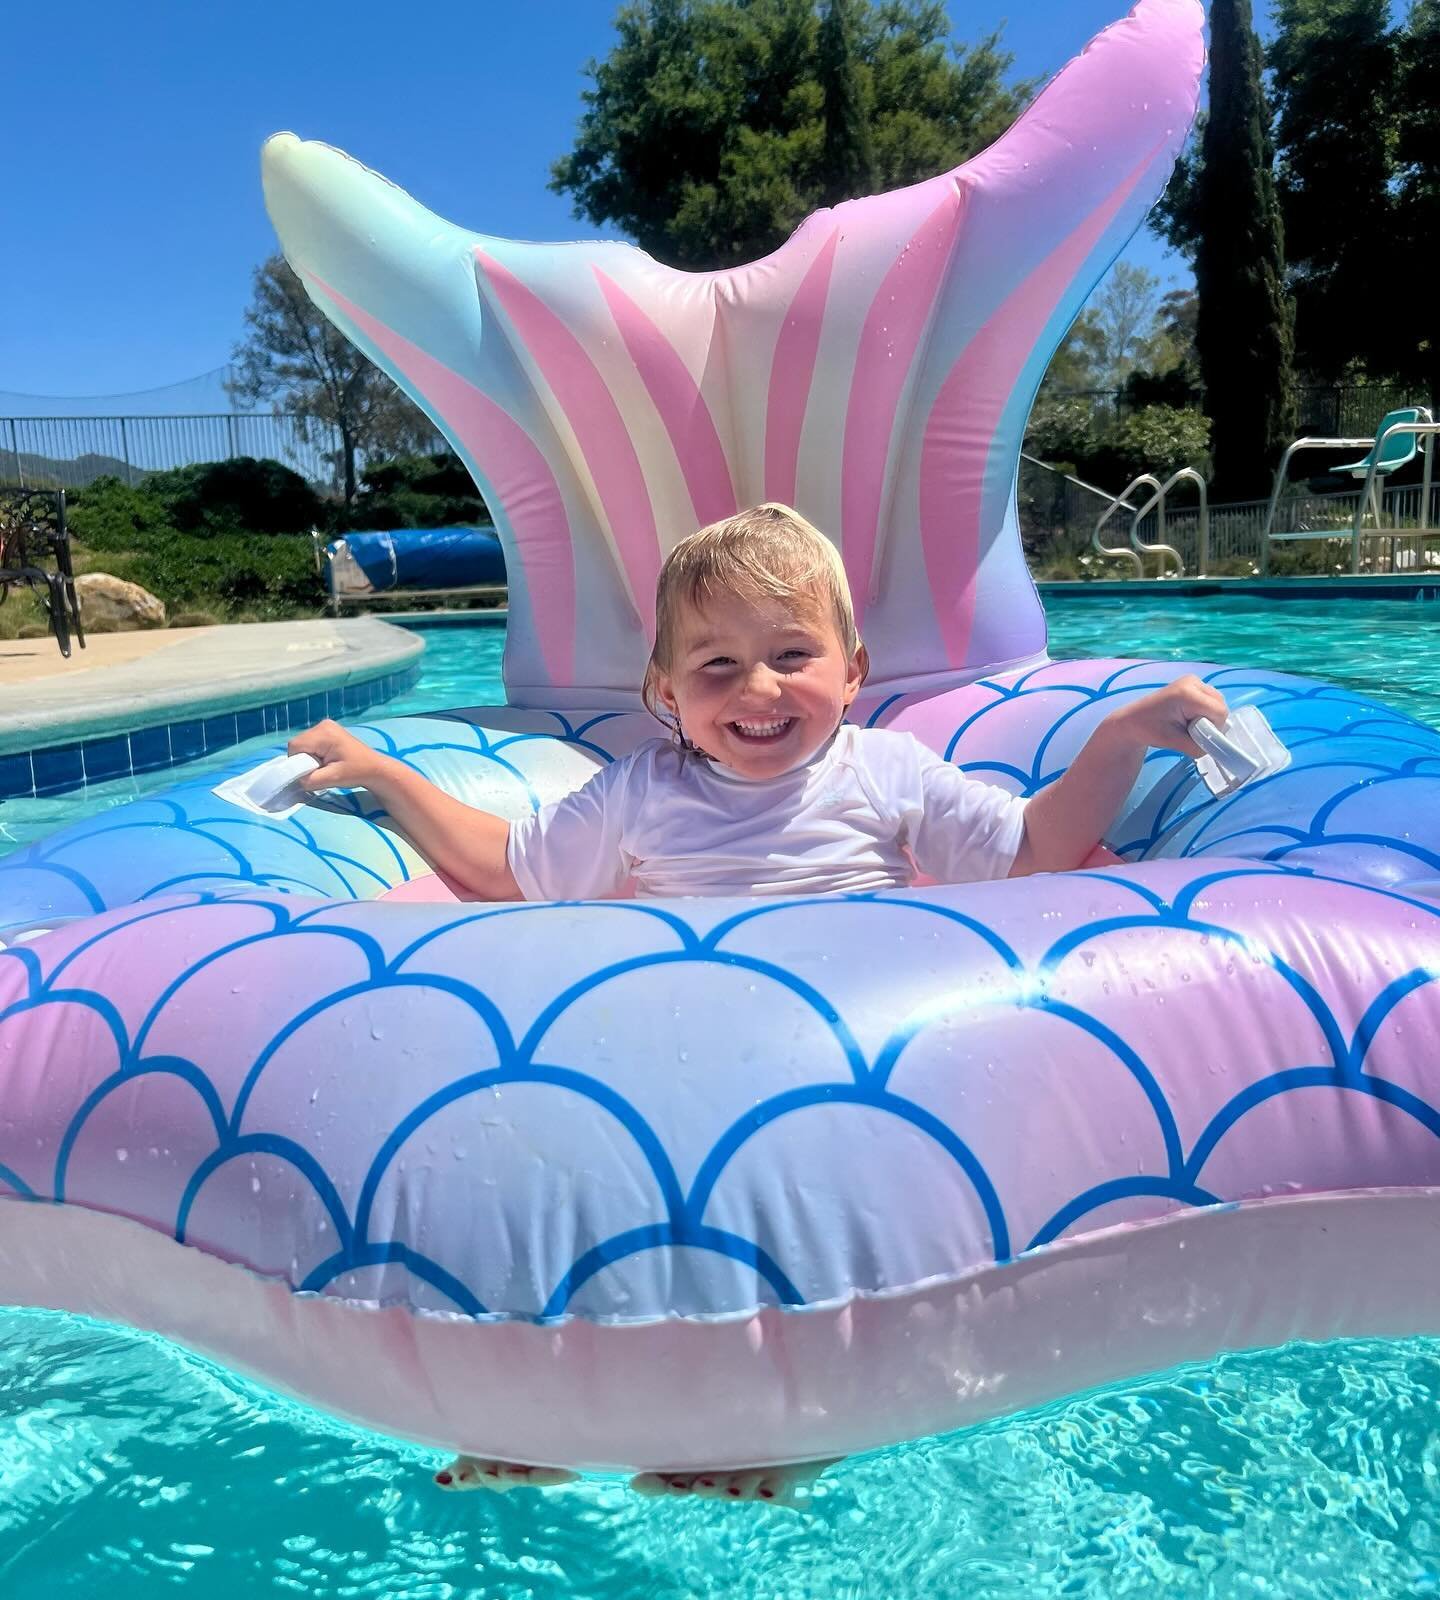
(110, 605)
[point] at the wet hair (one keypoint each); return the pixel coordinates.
(769, 552)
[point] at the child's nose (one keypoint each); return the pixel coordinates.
(762, 683)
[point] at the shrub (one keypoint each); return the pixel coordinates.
(238, 496)
(434, 491)
(1161, 440)
(110, 515)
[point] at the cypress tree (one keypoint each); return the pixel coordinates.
(1245, 332)
(1415, 331)
(847, 157)
(1333, 64)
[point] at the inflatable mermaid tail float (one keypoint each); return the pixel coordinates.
(678, 1183)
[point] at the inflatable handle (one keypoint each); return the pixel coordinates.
(272, 788)
(1246, 750)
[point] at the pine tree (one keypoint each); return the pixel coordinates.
(1245, 331)
(847, 157)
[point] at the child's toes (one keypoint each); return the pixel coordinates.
(664, 1483)
(780, 1486)
(499, 1477)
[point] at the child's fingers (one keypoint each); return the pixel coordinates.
(328, 776)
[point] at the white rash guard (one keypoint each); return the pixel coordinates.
(867, 811)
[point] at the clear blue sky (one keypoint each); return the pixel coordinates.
(131, 185)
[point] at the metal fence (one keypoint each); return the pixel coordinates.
(1059, 512)
(71, 452)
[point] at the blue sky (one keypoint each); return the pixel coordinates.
(132, 192)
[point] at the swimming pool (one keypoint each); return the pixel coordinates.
(127, 1463)
(1387, 649)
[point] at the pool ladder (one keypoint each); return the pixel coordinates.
(1135, 551)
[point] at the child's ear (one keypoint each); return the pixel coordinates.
(665, 692)
(859, 671)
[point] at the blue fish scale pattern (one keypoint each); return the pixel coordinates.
(635, 1110)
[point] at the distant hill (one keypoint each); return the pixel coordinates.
(42, 472)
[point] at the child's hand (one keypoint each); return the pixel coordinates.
(1162, 720)
(345, 761)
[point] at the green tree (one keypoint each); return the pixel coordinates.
(847, 153)
(1333, 68)
(704, 130)
(1412, 309)
(1245, 325)
(297, 360)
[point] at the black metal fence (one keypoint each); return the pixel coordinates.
(1346, 410)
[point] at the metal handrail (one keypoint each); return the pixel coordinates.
(1117, 554)
(1417, 430)
(1376, 446)
(1156, 502)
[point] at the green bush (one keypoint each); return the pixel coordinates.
(239, 569)
(110, 515)
(434, 491)
(239, 496)
(1160, 440)
(134, 530)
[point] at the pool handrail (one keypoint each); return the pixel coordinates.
(1136, 550)
(1156, 502)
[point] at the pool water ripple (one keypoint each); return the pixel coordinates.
(126, 1464)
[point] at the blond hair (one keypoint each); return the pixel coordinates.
(769, 552)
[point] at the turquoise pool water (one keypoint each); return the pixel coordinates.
(1386, 648)
(129, 1468)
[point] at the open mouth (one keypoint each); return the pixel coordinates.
(761, 730)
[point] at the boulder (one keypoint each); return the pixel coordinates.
(111, 605)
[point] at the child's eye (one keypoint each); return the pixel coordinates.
(791, 655)
(718, 661)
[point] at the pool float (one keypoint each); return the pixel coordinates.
(681, 1183)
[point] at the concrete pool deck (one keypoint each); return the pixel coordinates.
(125, 683)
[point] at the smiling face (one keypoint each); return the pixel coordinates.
(760, 683)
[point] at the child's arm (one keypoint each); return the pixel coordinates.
(1065, 822)
(467, 845)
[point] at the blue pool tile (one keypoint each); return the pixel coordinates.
(16, 776)
(296, 715)
(106, 759)
(149, 749)
(353, 699)
(272, 718)
(61, 768)
(334, 703)
(315, 709)
(219, 731)
(187, 740)
(250, 724)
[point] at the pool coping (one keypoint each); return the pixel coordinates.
(222, 687)
(1379, 586)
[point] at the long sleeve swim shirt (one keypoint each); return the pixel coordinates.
(867, 811)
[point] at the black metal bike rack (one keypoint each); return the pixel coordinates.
(32, 529)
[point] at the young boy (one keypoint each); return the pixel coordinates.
(760, 790)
